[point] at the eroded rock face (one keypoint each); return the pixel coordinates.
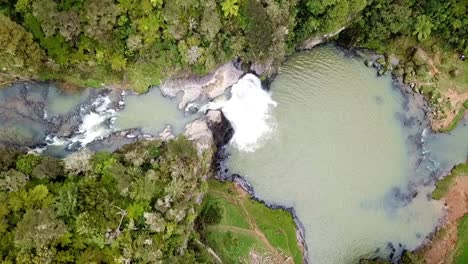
(314, 41)
(199, 132)
(166, 134)
(209, 86)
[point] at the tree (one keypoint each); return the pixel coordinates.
(38, 228)
(99, 18)
(423, 27)
(8, 158)
(27, 163)
(212, 213)
(48, 168)
(12, 180)
(78, 162)
(19, 54)
(230, 8)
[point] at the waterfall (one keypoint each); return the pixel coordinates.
(249, 111)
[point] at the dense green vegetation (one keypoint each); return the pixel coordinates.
(139, 43)
(384, 20)
(443, 186)
(243, 226)
(137, 205)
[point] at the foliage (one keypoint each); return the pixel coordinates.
(128, 206)
(384, 20)
(19, 55)
(8, 158)
(212, 213)
(423, 27)
(27, 163)
(230, 8)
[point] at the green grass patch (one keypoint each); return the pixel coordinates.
(237, 234)
(233, 247)
(454, 122)
(461, 250)
(278, 226)
(444, 185)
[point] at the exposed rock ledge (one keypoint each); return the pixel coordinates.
(209, 86)
(314, 41)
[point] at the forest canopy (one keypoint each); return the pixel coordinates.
(139, 43)
(137, 205)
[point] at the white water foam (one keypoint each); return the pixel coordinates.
(96, 123)
(249, 111)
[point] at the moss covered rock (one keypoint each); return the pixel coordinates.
(420, 57)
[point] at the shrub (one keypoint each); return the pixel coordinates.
(212, 213)
(48, 168)
(27, 163)
(7, 158)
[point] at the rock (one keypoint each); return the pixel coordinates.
(422, 70)
(214, 116)
(409, 69)
(222, 78)
(420, 57)
(393, 60)
(260, 68)
(380, 72)
(368, 63)
(198, 132)
(166, 134)
(381, 61)
(316, 40)
(399, 72)
(210, 86)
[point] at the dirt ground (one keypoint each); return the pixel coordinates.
(440, 249)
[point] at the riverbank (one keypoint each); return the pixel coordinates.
(432, 70)
(448, 245)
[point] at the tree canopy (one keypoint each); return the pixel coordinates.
(137, 205)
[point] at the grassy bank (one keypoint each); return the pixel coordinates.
(444, 185)
(247, 226)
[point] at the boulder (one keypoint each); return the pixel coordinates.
(316, 40)
(209, 86)
(393, 60)
(166, 134)
(260, 68)
(420, 57)
(199, 132)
